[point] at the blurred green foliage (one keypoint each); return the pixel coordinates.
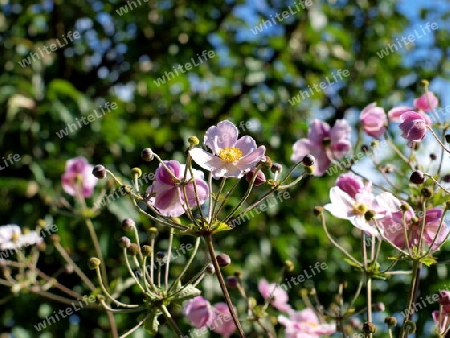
(119, 58)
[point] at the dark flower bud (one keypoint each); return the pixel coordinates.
(365, 148)
(99, 171)
(147, 155)
(447, 205)
(369, 214)
(133, 249)
(444, 298)
(238, 275)
(276, 168)
(147, 250)
(447, 138)
(308, 160)
(260, 177)
(426, 192)
(369, 327)
(124, 242)
(318, 210)
(160, 255)
(404, 207)
(433, 157)
(223, 260)
(128, 224)
(379, 306)
(232, 282)
(268, 162)
(94, 263)
(210, 269)
(446, 178)
(390, 321)
(417, 177)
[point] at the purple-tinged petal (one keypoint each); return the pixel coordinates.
(164, 176)
(395, 113)
(224, 135)
(318, 130)
(252, 159)
(301, 147)
(427, 102)
(246, 144)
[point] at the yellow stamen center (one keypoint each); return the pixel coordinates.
(359, 208)
(230, 155)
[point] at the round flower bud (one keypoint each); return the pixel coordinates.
(289, 265)
(193, 140)
(276, 168)
(369, 215)
(447, 138)
(404, 207)
(309, 170)
(369, 327)
(223, 260)
(99, 171)
(444, 298)
(446, 178)
(390, 321)
(238, 275)
(365, 148)
(447, 205)
(417, 177)
(433, 157)
(379, 306)
(147, 155)
(147, 250)
(426, 192)
(308, 160)
(136, 171)
(318, 210)
(210, 269)
(133, 249)
(160, 255)
(232, 282)
(128, 224)
(124, 242)
(94, 263)
(153, 231)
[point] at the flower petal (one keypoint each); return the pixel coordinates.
(318, 130)
(246, 144)
(224, 135)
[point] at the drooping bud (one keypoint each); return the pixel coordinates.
(308, 160)
(147, 155)
(417, 177)
(94, 263)
(260, 177)
(99, 171)
(223, 260)
(128, 224)
(124, 242)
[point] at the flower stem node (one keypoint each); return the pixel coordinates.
(147, 155)
(289, 265)
(390, 321)
(369, 327)
(369, 214)
(136, 171)
(99, 171)
(318, 210)
(426, 192)
(193, 140)
(417, 177)
(232, 282)
(223, 260)
(308, 160)
(147, 250)
(133, 249)
(124, 242)
(128, 224)
(94, 263)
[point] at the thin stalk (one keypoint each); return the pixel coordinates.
(98, 250)
(414, 281)
(223, 286)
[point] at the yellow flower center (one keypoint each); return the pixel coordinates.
(230, 155)
(359, 209)
(15, 237)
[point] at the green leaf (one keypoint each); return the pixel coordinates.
(352, 263)
(187, 292)
(151, 324)
(428, 260)
(220, 226)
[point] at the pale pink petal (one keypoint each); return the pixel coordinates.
(341, 203)
(224, 135)
(395, 113)
(427, 102)
(164, 176)
(301, 148)
(341, 131)
(222, 321)
(318, 130)
(205, 160)
(246, 144)
(251, 160)
(322, 161)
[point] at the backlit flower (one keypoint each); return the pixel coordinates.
(78, 177)
(199, 312)
(324, 143)
(222, 321)
(427, 102)
(11, 237)
(305, 324)
(167, 192)
(413, 126)
(373, 120)
(231, 157)
(276, 293)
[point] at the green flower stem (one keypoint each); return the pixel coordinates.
(414, 285)
(169, 253)
(223, 286)
(171, 322)
(98, 250)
